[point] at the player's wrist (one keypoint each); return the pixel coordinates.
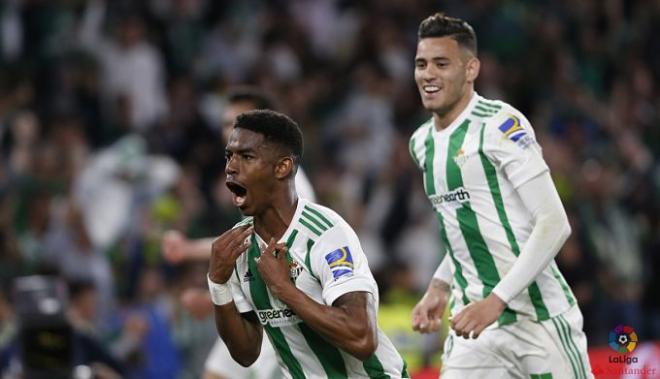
(437, 289)
(220, 292)
(494, 299)
(285, 291)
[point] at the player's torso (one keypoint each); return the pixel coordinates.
(483, 222)
(468, 191)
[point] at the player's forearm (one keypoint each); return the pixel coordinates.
(353, 332)
(199, 249)
(438, 289)
(242, 337)
(551, 229)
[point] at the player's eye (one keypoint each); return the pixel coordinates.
(420, 64)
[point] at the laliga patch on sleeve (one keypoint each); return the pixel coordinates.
(513, 130)
(340, 262)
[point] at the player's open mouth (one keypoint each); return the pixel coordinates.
(239, 193)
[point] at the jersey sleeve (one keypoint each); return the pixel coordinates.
(242, 305)
(510, 142)
(340, 264)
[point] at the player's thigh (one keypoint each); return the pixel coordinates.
(473, 358)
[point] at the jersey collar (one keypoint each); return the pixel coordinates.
(459, 120)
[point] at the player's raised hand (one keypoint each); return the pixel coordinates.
(225, 250)
(473, 319)
(273, 266)
(174, 245)
(427, 314)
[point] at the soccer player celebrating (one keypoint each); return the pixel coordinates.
(294, 268)
(501, 221)
(177, 248)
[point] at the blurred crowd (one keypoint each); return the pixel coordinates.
(110, 134)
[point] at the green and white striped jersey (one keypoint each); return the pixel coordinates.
(471, 171)
(326, 261)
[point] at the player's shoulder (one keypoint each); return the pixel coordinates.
(416, 142)
(490, 112)
(421, 130)
(319, 221)
(501, 119)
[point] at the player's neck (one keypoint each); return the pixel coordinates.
(276, 219)
(442, 120)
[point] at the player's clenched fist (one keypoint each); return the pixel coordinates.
(225, 250)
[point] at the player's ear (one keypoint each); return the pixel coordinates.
(284, 167)
(472, 69)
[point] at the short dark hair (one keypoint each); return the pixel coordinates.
(441, 25)
(275, 127)
(252, 94)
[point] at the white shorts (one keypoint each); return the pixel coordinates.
(221, 363)
(554, 348)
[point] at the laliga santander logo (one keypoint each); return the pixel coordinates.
(623, 339)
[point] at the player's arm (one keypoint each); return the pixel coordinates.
(551, 229)
(512, 147)
(177, 248)
(427, 314)
(241, 333)
(349, 324)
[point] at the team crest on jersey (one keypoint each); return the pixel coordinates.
(340, 262)
(513, 130)
(460, 158)
(294, 270)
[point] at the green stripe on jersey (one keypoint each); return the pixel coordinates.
(374, 368)
(482, 115)
(411, 149)
(488, 104)
(491, 176)
(573, 346)
(486, 110)
(467, 221)
(429, 180)
(259, 294)
(404, 372)
(308, 260)
(313, 220)
(329, 356)
(309, 226)
(567, 351)
(429, 147)
(563, 284)
(319, 215)
(458, 271)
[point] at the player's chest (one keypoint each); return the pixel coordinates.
(453, 168)
(256, 285)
